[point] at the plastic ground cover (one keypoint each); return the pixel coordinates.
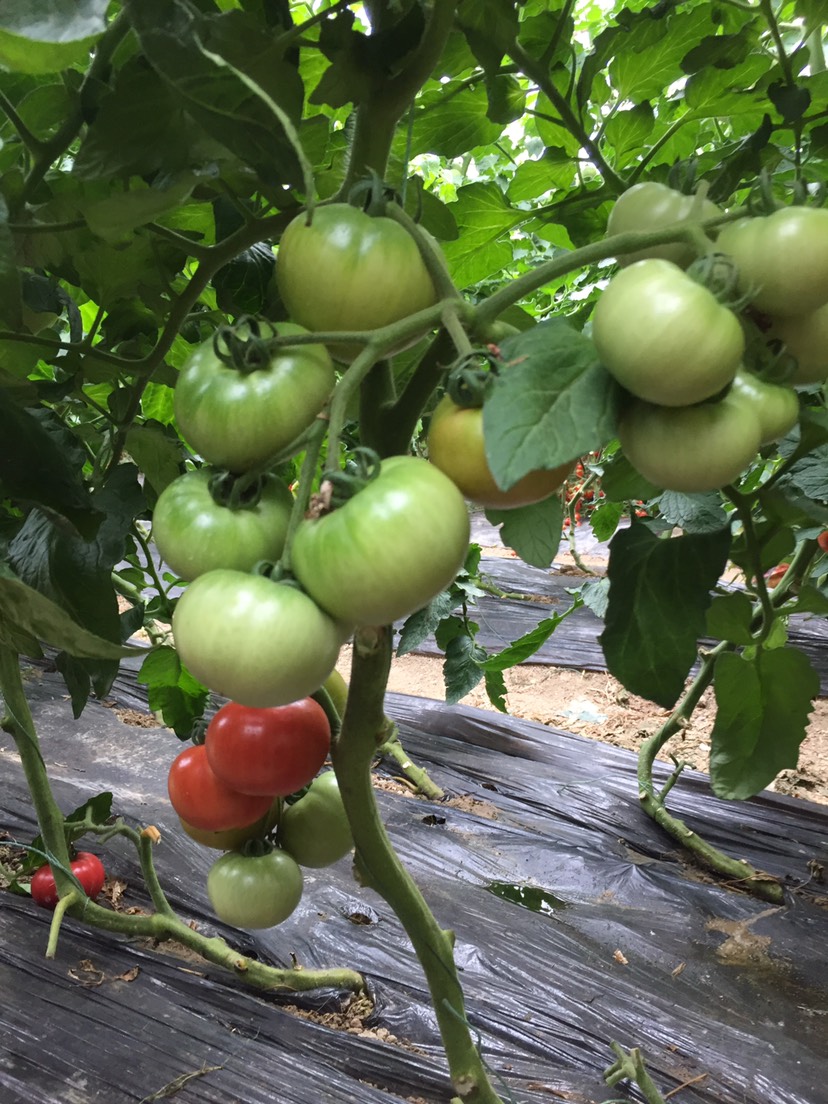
(577, 923)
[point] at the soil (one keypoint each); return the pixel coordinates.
(594, 705)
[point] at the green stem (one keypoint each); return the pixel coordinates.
(32, 143)
(766, 7)
(303, 491)
(377, 864)
(433, 257)
(393, 749)
(630, 1066)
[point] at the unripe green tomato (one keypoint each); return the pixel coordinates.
(691, 448)
(776, 407)
(651, 206)
(315, 829)
(805, 338)
(254, 891)
(664, 337)
(194, 534)
(782, 259)
(457, 448)
(337, 689)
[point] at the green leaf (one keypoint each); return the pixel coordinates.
(604, 519)
(659, 595)
(699, 513)
(451, 121)
(763, 705)
(115, 217)
(420, 625)
(810, 474)
(462, 667)
(23, 609)
(628, 131)
(496, 689)
(525, 646)
(156, 453)
(484, 219)
(533, 179)
(651, 54)
(46, 36)
(172, 691)
(620, 482)
(552, 402)
(242, 285)
(10, 304)
(729, 618)
(533, 531)
(507, 99)
(595, 596)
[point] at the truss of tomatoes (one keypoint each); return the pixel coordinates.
(228, 795)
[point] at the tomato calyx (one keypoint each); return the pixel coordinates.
(338, 487)
(243, 347)
(372, 195)
(236, 492)
(718, 273)
(470, 380)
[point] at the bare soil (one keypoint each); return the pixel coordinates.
(595, 705)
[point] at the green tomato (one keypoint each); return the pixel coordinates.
(254, 891)
(389, 550)
(350, 271)
(315, 829)
(652, 206)
(255, 641)
(194, 534)
(239, 419)
(782, 259)
(805, 338)
(776, 407)
(664, 337)
(693, 448)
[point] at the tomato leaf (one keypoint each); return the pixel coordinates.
(172, 691)
(698, 513)
(604, 519)
(763, 707)
(525, 646)
(422, 624)
(659, 594)
(46, 38)
(462, 669)
(533, 531)
(552, 402)
(729, 618)
(496, 689)
(620, 482)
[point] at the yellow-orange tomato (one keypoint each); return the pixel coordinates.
(457, 448)
(231, 839)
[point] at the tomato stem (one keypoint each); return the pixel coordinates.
(61, 908)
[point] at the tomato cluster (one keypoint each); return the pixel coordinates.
(228, 795)
(696, 415)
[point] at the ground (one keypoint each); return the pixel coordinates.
(594, 705)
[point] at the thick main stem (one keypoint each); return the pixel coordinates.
(364, 727)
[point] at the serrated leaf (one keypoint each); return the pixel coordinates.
(595, 596)
(156, 454)
(534, 179)
(729, 618)
(699, 513)
(496, 689)
(628, 131)
(659, 595)
(420, 625)
(763, 705)
(604, 519)
(620, 482)
(653, 51)
(451, 121)
(461, 669)
(172, 691)
(552, 402)
(525, 646)
(533, 531)
(810, 474)
(484, 219)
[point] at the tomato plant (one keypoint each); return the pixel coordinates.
(390, 549)
(776, 407)
(456, 446)
(273, 751)
(234, 839)
(86, 867)
(238, 413)
(664, 337)
(782, 259)
(194, 533)
(204, 800)
(255, 641)
(692, 448)
(347, 270)
(651, 205)
(254, 891)
(805, 338)
(315, 829)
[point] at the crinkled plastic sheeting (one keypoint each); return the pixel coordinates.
(577, 923)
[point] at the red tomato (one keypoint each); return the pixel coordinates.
(86, 867)
(272, 751)
(773, 578)
(201, 798)
(822, 540)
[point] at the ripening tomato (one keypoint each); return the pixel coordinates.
(254, 891)
(822, 540)
(456, 446)
(782, 259)
(273, 751)
(194, 534)
(86, 867)
(204, 800)
(664, 337)
(652, 206)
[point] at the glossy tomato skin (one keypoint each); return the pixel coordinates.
(652, 206)
(822, 540)
(254, 891)
(194, 534)
(776, 407)
(273, 751)
(204, 800)
(337, 690)
(782, 259)
(238, 420)
(690, 449)
(390, 549)
(456, 446)
(86, 867)
(254, 641)
(315, 829)
(350, 271)
(233, 839)
(805, 338)
(664, 337)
